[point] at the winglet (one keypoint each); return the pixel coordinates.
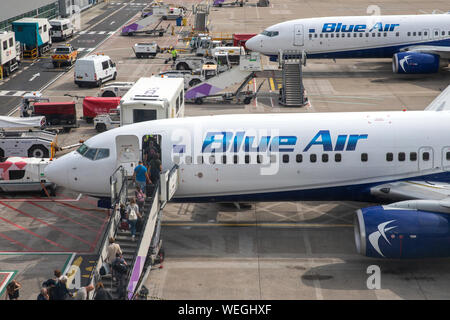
(441, 102)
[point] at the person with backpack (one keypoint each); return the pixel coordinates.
(133, 216)
(120, 269)
(12, 290)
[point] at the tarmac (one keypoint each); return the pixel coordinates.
(273, 250)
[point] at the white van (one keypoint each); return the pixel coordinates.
(94, 70)
(234, 53)
(61, 29)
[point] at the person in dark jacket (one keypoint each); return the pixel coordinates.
(101, 293)
(60, 291)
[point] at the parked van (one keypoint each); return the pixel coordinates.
(61, 29)
(234, 53)
(94, 70)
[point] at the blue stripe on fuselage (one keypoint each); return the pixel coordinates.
(378, 52)
(358, 192)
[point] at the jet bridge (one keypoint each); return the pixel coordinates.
(141, 254)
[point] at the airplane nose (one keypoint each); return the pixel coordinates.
(252, 43)
(56, 171)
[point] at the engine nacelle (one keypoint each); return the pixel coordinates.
(383, 232)
(415, 62)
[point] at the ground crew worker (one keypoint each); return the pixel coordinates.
(174, 54)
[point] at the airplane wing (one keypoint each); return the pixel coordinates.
(441, 102)
(443, 52)
(412, 190)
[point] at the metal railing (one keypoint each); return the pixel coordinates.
(118, 180)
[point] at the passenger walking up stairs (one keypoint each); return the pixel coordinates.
(129, 249)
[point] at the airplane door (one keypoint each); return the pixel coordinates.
(446, 158)
(298, 35)
(425, 158)
(127, 151)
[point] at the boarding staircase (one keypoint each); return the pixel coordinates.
(144, 251)
(292, 93)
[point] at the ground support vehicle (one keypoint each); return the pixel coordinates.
(34, 35)
(94, 70)
(146, 50)
(221, 3)
(9, 56)
(61, 29)
(28, 143)
(64, 55)
(115, 89)
(93, 106)
(19, 174)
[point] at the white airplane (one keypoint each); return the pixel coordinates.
(359, 156)
(416, 43)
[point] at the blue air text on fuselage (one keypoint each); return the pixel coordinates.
(228, 141)
(340, 27)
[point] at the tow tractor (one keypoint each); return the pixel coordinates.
(221, 3)
(28, 143)
(64, 54)
(220, 58)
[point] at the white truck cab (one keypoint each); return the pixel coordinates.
(18, 174)
(8, 53)
(94, 70)
(61, 29)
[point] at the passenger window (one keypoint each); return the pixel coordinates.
(409, 34)
(40, 30)
(447, 155)
(273, 158)
(337, 157)
(364, 157)
(401, 156)
(45, 28)
(235, 159)
(224, 159)
(16, 174)
(397, 34)
(360, 35)
(326, 35)
(5, 45)
(11, 42)
(310, 36)
(379, 34)
(200, 159)
(285, 158)
(349, 35)
(247, 159)
(414, 34)
(105, 65)
(212, 160)
(259, 158)
(315, 35)
(299, 158)
(188, 160)
(385, 34)
(443, 33)
(102, 154)
(389, 156)
(426, 156)
(324, 157)
(413, 156)
(419, 33)
(313, 158)
(426, 33)
(367, 35)
(373, 34)
(332, 35)
(321, 35)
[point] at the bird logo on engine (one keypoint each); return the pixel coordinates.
(381, 232)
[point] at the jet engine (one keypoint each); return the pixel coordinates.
(403, 230)
(415, 62)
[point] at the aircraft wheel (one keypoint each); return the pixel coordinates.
(198, 101)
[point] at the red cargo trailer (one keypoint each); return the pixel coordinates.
(61, 114)
(93, 106)
(239, 39)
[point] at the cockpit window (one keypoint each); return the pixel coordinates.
(93, 153)
(102, 154)
(270, 33)
(90, 154)
(82, 149)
